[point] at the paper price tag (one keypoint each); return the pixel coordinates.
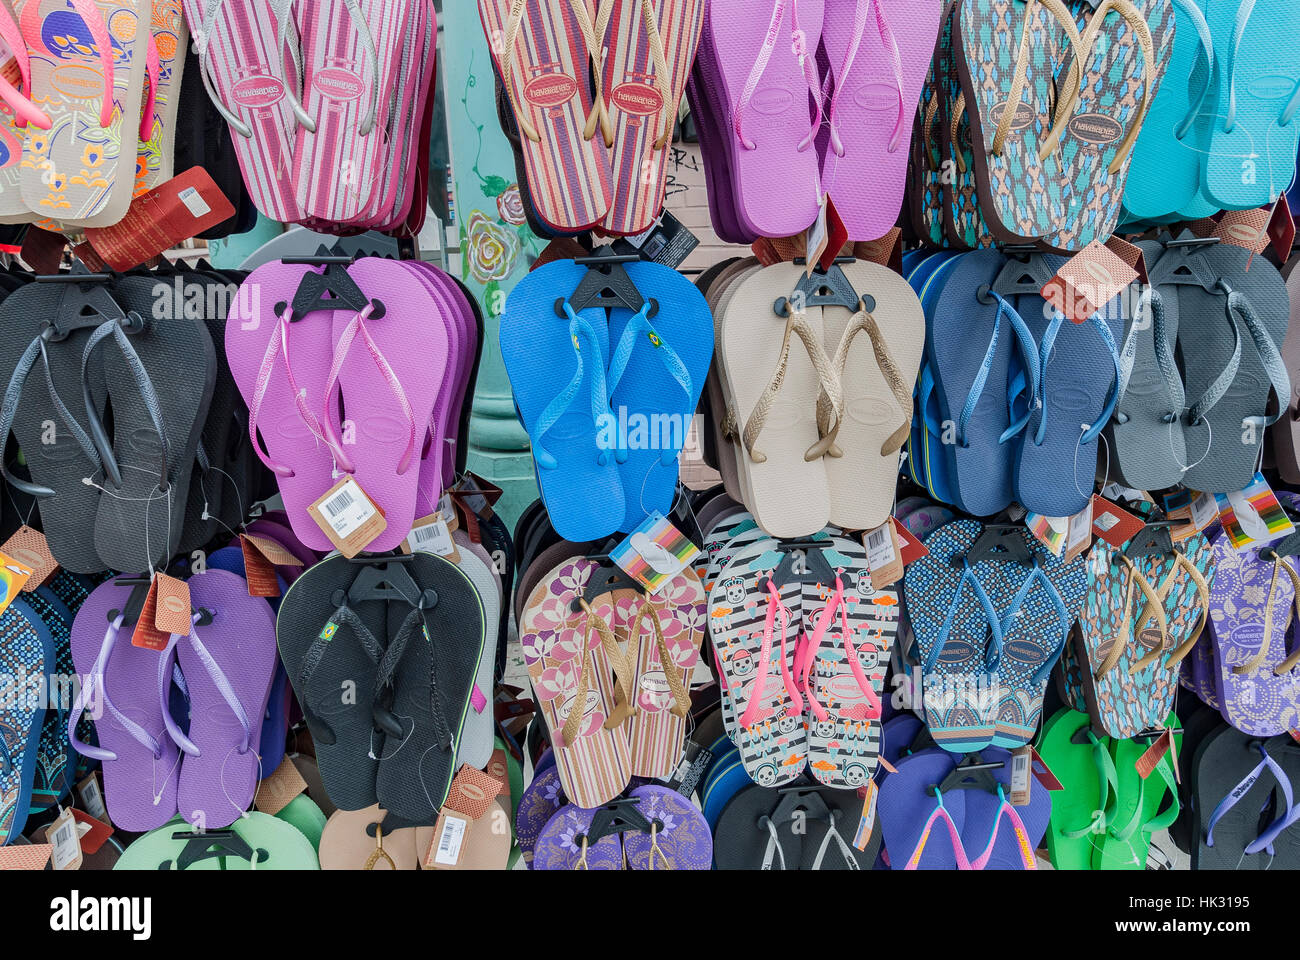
(258, 571)
(92, 798)
(1021, 785)
(348, 517)
(63, 835)
(431, 535)
(278, 790)
(146, 634)
(450, 839)
(884, 559)
(29, 548)
(1079, 536)
(1088, 281)
(867, 821)
(172, 607)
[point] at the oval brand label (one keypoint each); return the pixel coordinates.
(870, 410)
(1023, 119)
(771, 101)
(955, 651)
(550, 90)
(593, 701)
(638, 99)
(257, 92)
(1245, 235)
(1095, 128)
(173, 604)
(1272, 87)
(876, 96)
(472, 791)
(1022, 651)
(336, 84)
(655, 682)
(1068, 398)
(28, 558)
(78, 82)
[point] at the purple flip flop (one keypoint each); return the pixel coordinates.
(228, 666)
(541, 798)
(681, 840)
(562, 844)
(119, 688)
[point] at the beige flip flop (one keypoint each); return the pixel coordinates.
(876, 355)
(718, 399)
(355, 840)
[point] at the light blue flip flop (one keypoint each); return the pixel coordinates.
(27, 658)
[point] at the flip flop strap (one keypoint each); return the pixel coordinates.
(152, 77)
(1017, 602)
(1216, 390)
(1108, 790)
(1153, 303)
(85, 693)
(560, 404)
(991, 615)
(1084, 50)
(1028, 353)
(358, 325)
(833, 833)
(1023, 844)
(806, 60)
(632, 334)
(681, 696)
(1066, 21)
(24, 110)
(1243, 787)
(932, 146)
(954, 129)
(1257, 661)
(658, 58)
(592, 620)
(1092, 430)
(1154, 607)
(343, 616)
(940, 812)
(806, 651)
(1203, 598)
(1240, 308)
(850, 56)
(757, 686)
(94, 21)
(773, 845)
(864, 321)
(874, 707)
(1190, 12)
(829, 401)
(219, 679)
(9, 411)
(147, 393)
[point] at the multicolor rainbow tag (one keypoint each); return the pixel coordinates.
(654, 553)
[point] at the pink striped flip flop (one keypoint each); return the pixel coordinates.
(390, 368)
(542, 49)
(351, 52)
(414, 94)
(247, 75)
(649, 46)
(280, 366)
(880, 51)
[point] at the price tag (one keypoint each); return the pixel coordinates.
(431, 535)
(348, 517)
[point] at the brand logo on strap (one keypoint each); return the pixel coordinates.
(1022, 120)
(335, 84)
(1095, 128)
(550, 90)
(1273, 87)
(257, 92)
(638, 99)
(78, 82)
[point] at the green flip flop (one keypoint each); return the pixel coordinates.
(303, 813)
(1141, 808)
(257, 841)
(1085, 807)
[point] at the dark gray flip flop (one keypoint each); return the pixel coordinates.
(1237, 794)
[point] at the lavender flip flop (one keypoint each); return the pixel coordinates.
(680, 839)
(541, 799)
(228, 667)
(119, 689)
(564, 844)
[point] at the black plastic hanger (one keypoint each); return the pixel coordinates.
(212, 843)
(1000, 542)
(606, 578)
(815, 567)
(825, 288)
(606, 285)
(1153, 540)
(331, 289)
(973, 773)
(387, 578)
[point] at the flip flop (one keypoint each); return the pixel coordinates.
(478, 738)
(28, 651)
(55, 764)
(1141, 806)
(910, 809)
(254, 842)
(1083, 810)
(1237, 784)
(564, 844)
(1286, 432)
(997, 835)
(13, 123)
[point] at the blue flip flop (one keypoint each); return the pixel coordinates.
(26, 654)
(52, 778)
(925, 459)
(658, 360)
(1251, 154)
(557, 363)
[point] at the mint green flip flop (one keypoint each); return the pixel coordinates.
(257, 841)
(303, 812)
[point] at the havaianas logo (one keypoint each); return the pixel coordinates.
(77, 82)
(334, 83)
(258, 91)
(1022, 120)
(638, 99)
(550, 90)
(1095, 128)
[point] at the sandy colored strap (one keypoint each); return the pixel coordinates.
(681, 698)
(514, 25)
(655, 849)
(1075, 78)
(863, 320)
(1153, 608)
(831, 399)
(1289, 664)
(582, 860)
(1057, 9)
(927, 128)
(662, 79)
(1257, 661)
(379, 851)
(1203, 597)
(622, 675)
(958, 111)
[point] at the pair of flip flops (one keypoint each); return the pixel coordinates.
(329, 105)
(256, 841)
(594, 157)
(124, 499)
(1143, 615)
(1219, 134)
(1001, 423)
(800, 650)
(1104, 816)
(384, 655)
(154, 764)
(402, 380)
(1056, 95)
(990, 610)
(862, 65)
(653, 828)
(606, 362)
(78, 153)
(811, 422)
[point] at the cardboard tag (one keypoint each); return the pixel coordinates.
(1245, 228)
(818, 236)
(837, 234)
(43, 250)
(470, 799)
(1021, 784)
(274, 552)
(66, 842)
(92, 833)
(258, 571)
(431, 535)
(1049, 531)
(654, 553)
(667, 241)
(883, 251)
(1078, 537)
(1043, 773)
(910, 548)
(278, 790)
(28, 857)
(1281, 229)
(172, 605)
(1253, 515)
(1132, 255)
(146, 634)
(448, 841)
(1088, 281)
(765, 252)
(14, 576)
(1113, 523)
(157, 220)
(686, 776)
(92, 797)
(884, 558)
(29, 548)
(1161, 745)
(867, 821)
(348, 517)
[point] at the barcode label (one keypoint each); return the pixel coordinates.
(450, 840)
(194, 202)
(1020, 778)
(338, 503)
(433, 537)
(880, 547)
(67, 845)
(877, 539)
(347, 509)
